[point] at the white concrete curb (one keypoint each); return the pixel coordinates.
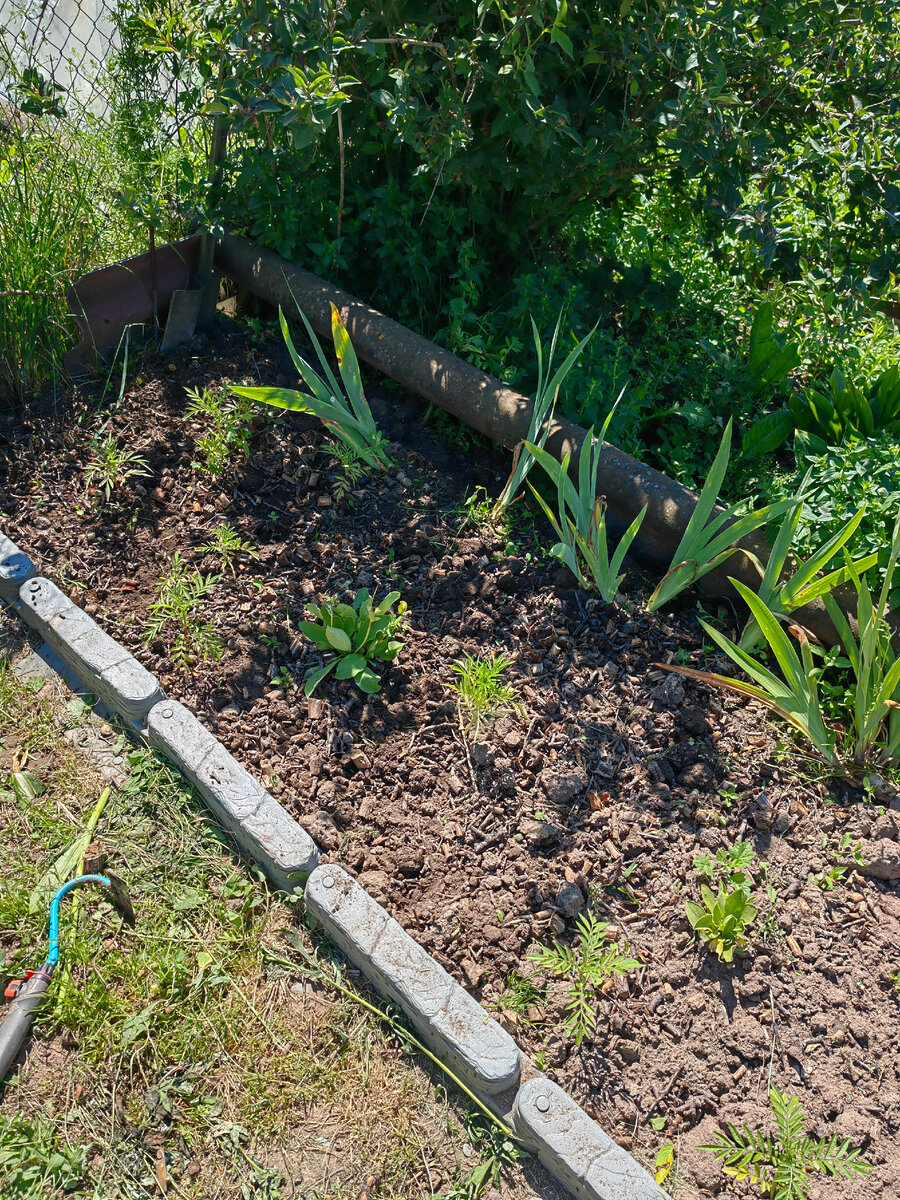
(261, 827)
(257, 822)
(452, 1023)
(15, 569)
(571, 1145)
(107, 668)
(574, 1148)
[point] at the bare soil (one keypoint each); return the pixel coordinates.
(596, 795)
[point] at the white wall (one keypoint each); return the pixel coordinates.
(65, 39)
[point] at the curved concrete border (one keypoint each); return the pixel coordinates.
(502, 414)
(569, 1143)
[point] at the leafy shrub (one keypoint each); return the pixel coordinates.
(416, 128)
(835, 483)
(831, 413)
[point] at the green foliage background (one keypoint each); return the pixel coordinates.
(465, 166)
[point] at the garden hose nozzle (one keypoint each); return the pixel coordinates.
(27, 995)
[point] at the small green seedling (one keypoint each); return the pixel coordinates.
(229, 426)
(178, 596)
(730, 866)
(586, 966)
(722, 920)
(780, 1166)
(354, 469)
(110, 467)
(828, 880)
(227, 544)
(665, 1160)
(481, 694)
(359, 634)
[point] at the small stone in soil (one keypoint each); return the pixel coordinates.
(322, 829)
(482, 754)
(562, 789)
(570, 900)
(412, 864)
(472, 972)
(539, 833)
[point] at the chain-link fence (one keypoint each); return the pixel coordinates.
(59, 48)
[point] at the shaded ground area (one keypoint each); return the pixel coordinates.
(187, 1057)
(596, 795)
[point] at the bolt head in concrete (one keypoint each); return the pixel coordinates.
(575, 1149)
(446, 1017)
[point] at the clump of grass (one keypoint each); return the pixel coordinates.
(34, 1160)
(480, 693)
(54, 225)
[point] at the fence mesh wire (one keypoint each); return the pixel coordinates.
(61, 47)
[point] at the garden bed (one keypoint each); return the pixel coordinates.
(596, 794)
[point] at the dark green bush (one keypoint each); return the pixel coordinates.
(372, 142)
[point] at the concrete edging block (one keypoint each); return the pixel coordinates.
(449, 1020)
(573, 1147)
(102, 665)
(16, 568)
(259, 824)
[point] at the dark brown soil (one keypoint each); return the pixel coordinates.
(596, 795)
